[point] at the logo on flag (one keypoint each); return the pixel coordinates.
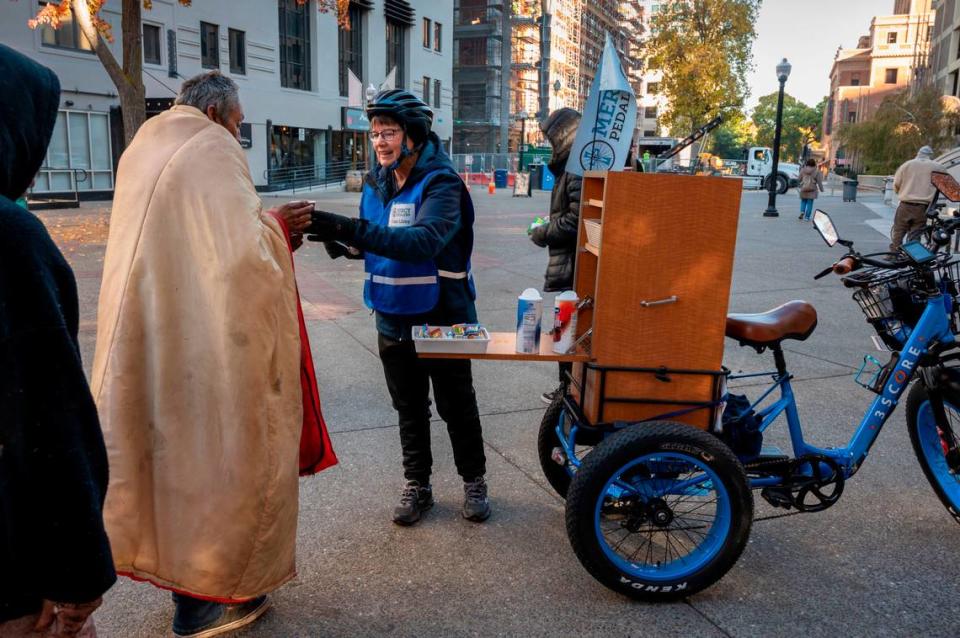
(606, 129)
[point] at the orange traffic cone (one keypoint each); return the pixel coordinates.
(491, 187)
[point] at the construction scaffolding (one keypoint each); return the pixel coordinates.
(481, 87)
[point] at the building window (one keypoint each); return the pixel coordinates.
(238, 51)
(854, 79)
(892, 37)
(396, 39)
(472, 52)
(351, 49)
(851, 116)
(80, 140)
(294, 44)
(471, 102)
(151, 44)
(437, 36)
(650, 113)
(426, 33)
(426, 90)
(649, 133)
(653, 88)
(891, 76)
(68, 36)
(209, 45)
(436, 94)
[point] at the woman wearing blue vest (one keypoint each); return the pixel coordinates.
(415, 232)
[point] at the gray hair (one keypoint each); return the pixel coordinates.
(210, 89)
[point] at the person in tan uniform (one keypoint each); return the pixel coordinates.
(199, 371)
(912, 184)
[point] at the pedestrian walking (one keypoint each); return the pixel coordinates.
(55, 562)
(559, 235)
(416, 234)
(811, 184)
(202, 372)
(912, 184)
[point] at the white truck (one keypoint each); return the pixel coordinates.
(758, 168)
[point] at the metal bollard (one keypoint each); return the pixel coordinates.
(887, 190)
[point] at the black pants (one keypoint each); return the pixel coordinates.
(408, 380)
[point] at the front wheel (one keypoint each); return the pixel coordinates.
(659, 511)
(929, 446)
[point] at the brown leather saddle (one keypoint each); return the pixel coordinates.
(792, 320)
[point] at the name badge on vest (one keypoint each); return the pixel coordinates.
(401, 214)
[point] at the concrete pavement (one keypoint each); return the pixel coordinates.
(882, 562)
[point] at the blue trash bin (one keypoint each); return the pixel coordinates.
(547, 180)
(500, 178)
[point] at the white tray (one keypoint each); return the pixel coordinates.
(449, 344)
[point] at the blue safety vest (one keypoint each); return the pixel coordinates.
(402, 287)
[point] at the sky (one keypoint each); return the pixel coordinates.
(807, 33)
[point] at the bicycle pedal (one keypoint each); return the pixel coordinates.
(777, 497)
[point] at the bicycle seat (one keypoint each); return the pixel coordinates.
(792, 320)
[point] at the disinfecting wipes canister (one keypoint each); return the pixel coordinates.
(529, 312)
(564, 321)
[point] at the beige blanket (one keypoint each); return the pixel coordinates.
(197, 368)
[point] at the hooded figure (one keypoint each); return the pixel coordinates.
(912, 184)
(202, 372)
(53, 466)
(560, 234)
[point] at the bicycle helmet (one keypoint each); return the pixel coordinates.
(407, 109)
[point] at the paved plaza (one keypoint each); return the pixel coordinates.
(882, 562)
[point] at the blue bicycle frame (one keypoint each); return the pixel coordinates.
(933, 327)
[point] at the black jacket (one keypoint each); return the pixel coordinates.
(53, 465)
(560, 234)
(440, 233)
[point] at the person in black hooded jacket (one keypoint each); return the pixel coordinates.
(560, 233)
(55, 560)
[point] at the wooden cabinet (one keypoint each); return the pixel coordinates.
(660, 281)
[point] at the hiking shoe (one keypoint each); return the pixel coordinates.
(230, 617)
(550, 397)
(476, 505)
(414, 501)
(801, 217)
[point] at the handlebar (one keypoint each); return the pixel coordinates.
(844, 266)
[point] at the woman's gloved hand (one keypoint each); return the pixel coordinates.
(326, 226)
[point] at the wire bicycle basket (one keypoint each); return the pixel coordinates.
(891, 300)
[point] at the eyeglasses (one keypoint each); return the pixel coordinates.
(388, 134)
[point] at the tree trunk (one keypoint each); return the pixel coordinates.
(129, 78)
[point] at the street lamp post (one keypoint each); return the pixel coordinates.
(523, 136)
(783, 72)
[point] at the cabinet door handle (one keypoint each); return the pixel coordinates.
(660, 302)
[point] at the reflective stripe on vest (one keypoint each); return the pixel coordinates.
(412, 281)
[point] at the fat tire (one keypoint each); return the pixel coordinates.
(617, 451)
(556, 475)
(915, 400)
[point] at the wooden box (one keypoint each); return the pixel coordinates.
(660, 281)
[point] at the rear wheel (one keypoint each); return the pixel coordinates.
(929, 446)
(659, 511)
(549, 450)
(781, 181)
